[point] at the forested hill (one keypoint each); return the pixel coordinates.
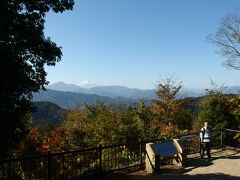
(53, 112)
(192, 103)
(72, 100)
(68, 100)
(47, 113)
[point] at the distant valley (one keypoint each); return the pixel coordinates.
(70, 95)
(47, 113)
(119, 91)
(109, 91)
(73, 100)
(133, 93)
(52, 103)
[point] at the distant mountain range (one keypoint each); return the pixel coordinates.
(51, 104)
(72, 99)
(70, 95)
(110, 91)
(49, 115)
(125, 92)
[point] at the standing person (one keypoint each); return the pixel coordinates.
(205, 138)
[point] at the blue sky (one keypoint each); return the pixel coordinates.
(136, 42)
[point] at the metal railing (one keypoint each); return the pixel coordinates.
(102, 159)
(231, 139)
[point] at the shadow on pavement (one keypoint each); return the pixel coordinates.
(180, 173)
(178, 177)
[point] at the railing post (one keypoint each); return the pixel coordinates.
(141, 152)
(227, 138)
(200, 145)
(222, 138)
(100, 159)
(49, 165)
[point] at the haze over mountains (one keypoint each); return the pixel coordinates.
(110, 91)
(71, 95)
(73, 99)
(116, 91)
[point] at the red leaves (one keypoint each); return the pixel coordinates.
(57, 140)
(36, 142)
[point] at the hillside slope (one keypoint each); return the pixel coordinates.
(72, 100)
(47, 113)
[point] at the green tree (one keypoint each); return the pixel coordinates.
(96, 124)
(107, 124)
(216, 109)
(144, 114)
(235, 109)
(132, 125)
(24, 51)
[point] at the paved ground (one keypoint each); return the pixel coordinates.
(223, 165)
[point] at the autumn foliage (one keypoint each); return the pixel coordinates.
(168, 109)
(40, 143)
(99, 123)
(105, 124)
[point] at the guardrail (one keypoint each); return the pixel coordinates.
(231, 138)
(95, 161)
